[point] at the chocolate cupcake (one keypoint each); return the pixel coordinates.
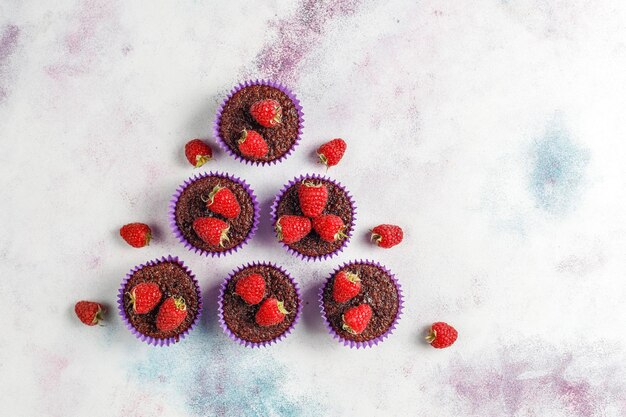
(239, 309)
(190, 203)
(173, 281)
(233, 118)
(339, 203)
(366, 289)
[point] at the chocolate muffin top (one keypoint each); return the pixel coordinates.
(173, 280)
(235, 117)
(377, 289)
(191, 204)
(239, 316)
(338, 204)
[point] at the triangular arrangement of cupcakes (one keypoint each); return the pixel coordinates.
(260, 122)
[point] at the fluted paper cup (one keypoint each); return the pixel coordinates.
(376, 340)
(349, 227)
(240, 340)
(218, 119)
(149, 339)
(178, 233)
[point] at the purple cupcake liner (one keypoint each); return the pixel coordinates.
(179, 235)
(218, 118)
(148, 339)
(380, 338)
(220, 309)
(350, 227)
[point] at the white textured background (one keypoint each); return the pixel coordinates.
(492, 131)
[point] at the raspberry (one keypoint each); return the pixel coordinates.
(330, 227)
(267, 113)
(331, 152)
(346, 286)
(271, 313)
(211, 230)
(89, 312)
(171, 314)
(198, 152)
(387, 235)
(291, 229)
(313, 198)
(441, 335)
(136, 235)
(251, 288)
(356, 319)
(252, 144)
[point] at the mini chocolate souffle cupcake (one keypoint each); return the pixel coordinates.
(361, 303)
(214, 213)
(278, 120)
(259, 304)
(160, 301)
(325, 226)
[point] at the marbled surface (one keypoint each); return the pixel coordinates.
(492, 131)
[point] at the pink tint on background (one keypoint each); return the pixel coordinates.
(297, 35)
(533, 380)
(92, 26)
(581, 265)
(8, 44)
(94, 254)
(52, 367)
(142, 404)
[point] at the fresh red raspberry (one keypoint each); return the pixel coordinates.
(331, 152)
(252, 144)
(346, 286)
(267, 113)
(356, 319)
(387, 235)
(211, 230)
(251, 288)
(222, 201)
(313, 198)
(136, 235)
(171, 314)
(291, 229)
(441, 335)
(271, 313)
(89, 312)
(330, 227)
(198, 152)
(144, 297)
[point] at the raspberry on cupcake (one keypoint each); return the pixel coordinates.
(251, 288)
(267, 113)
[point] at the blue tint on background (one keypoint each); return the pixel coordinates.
(558, 169)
